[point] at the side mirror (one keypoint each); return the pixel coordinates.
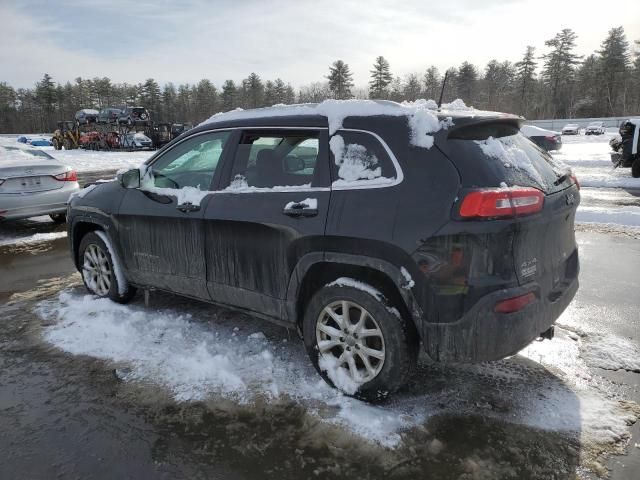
(130, 178)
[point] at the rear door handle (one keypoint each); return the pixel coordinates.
(188, 207)
(299, 209)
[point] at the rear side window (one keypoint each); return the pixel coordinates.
(276, 159)
(359, 159)
(492, 154)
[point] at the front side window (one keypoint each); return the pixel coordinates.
(268, 160)
(191, 163)
(360, 159)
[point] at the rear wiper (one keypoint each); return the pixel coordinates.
(561, 179)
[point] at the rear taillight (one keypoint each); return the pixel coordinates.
(515, 304)
(70, 176)
(575, 180)
(511, 202)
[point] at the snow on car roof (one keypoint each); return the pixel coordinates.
(423, 115)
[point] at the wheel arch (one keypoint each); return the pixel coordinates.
(315, 270)
(79, 228)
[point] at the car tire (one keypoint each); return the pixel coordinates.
(395, 341)
(58, 217)
(635, 168)
(96, 268)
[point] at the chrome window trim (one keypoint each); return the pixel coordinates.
(399, 173)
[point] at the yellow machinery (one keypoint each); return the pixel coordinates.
(67, 135)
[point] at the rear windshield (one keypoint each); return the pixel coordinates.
(506, 157)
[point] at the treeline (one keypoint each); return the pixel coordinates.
(556, 84)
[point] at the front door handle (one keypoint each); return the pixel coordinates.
(188, 207)
(300, 209)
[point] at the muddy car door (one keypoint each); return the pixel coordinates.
(271, 212)
(160, 223)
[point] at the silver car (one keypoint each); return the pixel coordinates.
(34, 183)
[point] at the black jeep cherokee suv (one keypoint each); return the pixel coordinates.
(367, 241)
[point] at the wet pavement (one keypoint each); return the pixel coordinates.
(74, 416)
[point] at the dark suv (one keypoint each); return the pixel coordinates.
(366, 243)
(134, 116)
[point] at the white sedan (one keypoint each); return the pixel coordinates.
(33, 183)
(571, 129)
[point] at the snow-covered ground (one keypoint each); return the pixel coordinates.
(203, 356)
(588, 156)
(609, 196)
(88, 160)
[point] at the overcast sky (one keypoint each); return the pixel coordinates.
(185, 41)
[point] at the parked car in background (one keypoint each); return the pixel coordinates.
(161, 134)
(545, 139)
(595, 128)
(87, 115)
(571, 129)
(178, 129)
(134, 116)
(22, 139)
(137, 140)
(40, 142)
(263, 212)
(109, 115)
(34, 183)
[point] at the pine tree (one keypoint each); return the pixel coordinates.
(380, 79)
(340, 80)
(280, 92)
(466, 83)
(525, 79)
(8, 111)
(587, 83)
(432, 83)
(635, 79)
(254, 90)
(228, 95)
(396, 90)
(497, 85)
(411, 88)
(206, 99)
(289, 95)
(46, 97)
(559, 71)
(614, 65)
(184, 103)
(269, 93)
(150, 96)
(169, 103)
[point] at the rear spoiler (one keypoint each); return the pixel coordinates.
(481, 128)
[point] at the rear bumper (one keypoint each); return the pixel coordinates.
(484, 335)
(14, 207)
